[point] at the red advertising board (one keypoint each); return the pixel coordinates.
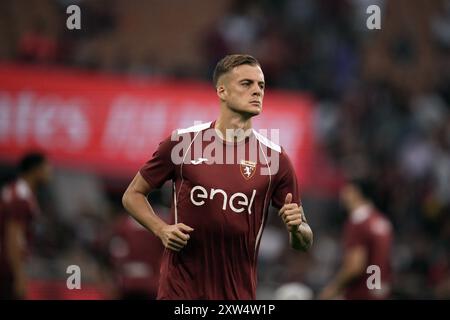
(111, 125)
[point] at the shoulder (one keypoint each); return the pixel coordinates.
(266, 142)
(379, 224)
(276, 155)
(18, 200)
(23, 191)
(185, 134)
(193, 129)
(17, 191)
(273, 150)
(280, 164)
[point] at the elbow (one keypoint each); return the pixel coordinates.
(125, 199)
(353, 269)
(356, 270)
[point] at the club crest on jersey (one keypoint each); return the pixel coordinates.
(248, 169)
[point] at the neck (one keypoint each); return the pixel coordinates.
(235, 122)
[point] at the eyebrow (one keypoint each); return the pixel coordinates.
(250, 80)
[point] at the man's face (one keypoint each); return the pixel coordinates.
(242, 89)
(348, 196)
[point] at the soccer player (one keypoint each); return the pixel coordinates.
(18, 208)
(219, 207)
(136, 255)
(367, 242)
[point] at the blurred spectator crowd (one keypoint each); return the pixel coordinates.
(382, 112)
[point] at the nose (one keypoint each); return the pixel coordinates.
(257, 91)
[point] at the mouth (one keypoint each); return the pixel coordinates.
(255, 103)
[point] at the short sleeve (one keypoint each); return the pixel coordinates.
(20, 211)
(354, 235)
(160, 167)
(286, 180)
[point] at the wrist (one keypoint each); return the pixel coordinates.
(158, 229)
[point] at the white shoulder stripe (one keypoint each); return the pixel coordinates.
(22, 190)
(267, 142)
(195, 128)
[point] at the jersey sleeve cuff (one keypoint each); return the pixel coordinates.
(148, 179)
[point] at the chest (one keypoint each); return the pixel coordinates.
(243, 177)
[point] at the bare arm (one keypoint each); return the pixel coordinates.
(15, 240)
(302, 239)
(352, 267)
(300, 233)
(135, 201)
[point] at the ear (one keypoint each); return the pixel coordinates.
(221, 91)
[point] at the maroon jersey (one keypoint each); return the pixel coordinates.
(226, 204)
(18, 203)
(370, 229)
(136, 256)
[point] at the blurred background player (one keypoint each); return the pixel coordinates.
(19, 208)
(367, 241)
(135, 256)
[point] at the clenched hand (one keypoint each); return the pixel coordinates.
(175, 236)
(291, 214)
